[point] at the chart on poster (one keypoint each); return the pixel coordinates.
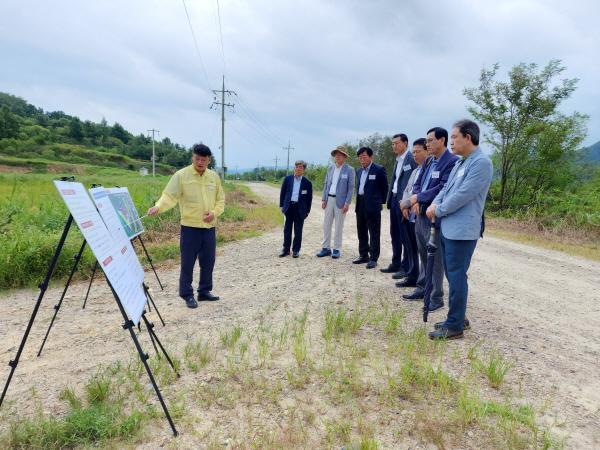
(107, 250)
(126, 212)
(115, 228)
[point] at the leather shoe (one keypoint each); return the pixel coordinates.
(190, 301)
(413, 296)
(388, 269)
(399, 275)
(406, 283)
(284, 253)
(335, 254)
(324, 252)
(295, 254)
(207, 297)
(371, 264)
(466, 326)
(361, 260)
(444, 333)
(436, 306)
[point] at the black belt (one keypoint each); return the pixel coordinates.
(331, 195)
(293, 202)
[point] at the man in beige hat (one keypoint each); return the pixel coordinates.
(337, 196)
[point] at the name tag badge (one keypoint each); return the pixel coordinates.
(304, 191)
(460, 173)
(211, 187)
(406, 167)
(372, 177)
(435, 174)
(344, 177)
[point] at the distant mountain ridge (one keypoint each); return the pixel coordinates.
(592, 153)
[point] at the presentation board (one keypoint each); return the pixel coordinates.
(108, 251)
(126, 211)
(115, 228)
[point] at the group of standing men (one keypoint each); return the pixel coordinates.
(430, 186)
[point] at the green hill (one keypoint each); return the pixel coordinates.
(592, 153)
(35, 136)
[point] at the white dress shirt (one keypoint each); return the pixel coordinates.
(334, 180)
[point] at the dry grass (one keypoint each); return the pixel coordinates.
(354, 378)
(571, 241)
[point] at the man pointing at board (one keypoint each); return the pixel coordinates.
(201, 200)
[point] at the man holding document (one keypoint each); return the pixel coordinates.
(201, 200)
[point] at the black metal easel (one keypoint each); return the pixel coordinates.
(139, 236)
(128, 325)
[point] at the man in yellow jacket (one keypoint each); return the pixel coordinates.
(201, 200)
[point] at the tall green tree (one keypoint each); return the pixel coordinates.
(528, 134)
(9, 125)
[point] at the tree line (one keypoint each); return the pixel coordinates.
(25, 130)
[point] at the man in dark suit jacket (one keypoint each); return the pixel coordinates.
(403, 168)
(295, 200)
(432, 179)
(371, 192)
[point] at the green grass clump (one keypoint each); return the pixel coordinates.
(99, 419)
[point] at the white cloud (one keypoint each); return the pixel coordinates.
(317, 72)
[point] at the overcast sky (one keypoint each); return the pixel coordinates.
(316, 72)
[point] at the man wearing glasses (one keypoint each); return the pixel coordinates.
(432, 179)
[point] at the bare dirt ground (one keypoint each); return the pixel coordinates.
(539, 308)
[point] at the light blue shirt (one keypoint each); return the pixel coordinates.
(363, 180)
(296, 190)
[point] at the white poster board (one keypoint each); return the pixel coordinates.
(115, 228)
(126, 212)
(109, 254)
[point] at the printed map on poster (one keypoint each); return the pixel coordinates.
(126, 211)
(108, 252)
(115, 228)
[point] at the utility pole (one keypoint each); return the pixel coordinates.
(276, 159)
(153, 154)
(222, 91)
(288, 148)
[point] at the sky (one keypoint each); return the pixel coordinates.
(315, 73)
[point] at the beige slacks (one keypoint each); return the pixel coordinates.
(333, 214)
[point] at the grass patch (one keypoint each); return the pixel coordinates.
(32, 217)
(355, 378)
(99, 419)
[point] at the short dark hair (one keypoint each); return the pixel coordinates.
(201, 150)
(439, 133)
(466, 126)
(421, 141)
(364, 149)
(402, 136)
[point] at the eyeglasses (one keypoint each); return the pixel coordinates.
(430, 140)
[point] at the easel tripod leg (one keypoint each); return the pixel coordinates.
(58, 305)
(43, 286)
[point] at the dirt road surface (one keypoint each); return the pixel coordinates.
(539, 308)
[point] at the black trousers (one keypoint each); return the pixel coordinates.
(197, 244)
(295, 221)
(411, 253)
(368, 227)
(399, 259)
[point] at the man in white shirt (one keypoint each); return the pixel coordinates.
(337, 196)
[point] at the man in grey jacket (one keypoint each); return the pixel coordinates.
(337, 196)
(459, 206)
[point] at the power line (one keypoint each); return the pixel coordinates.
(221, 37)
(196, 45)
(259, 123)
